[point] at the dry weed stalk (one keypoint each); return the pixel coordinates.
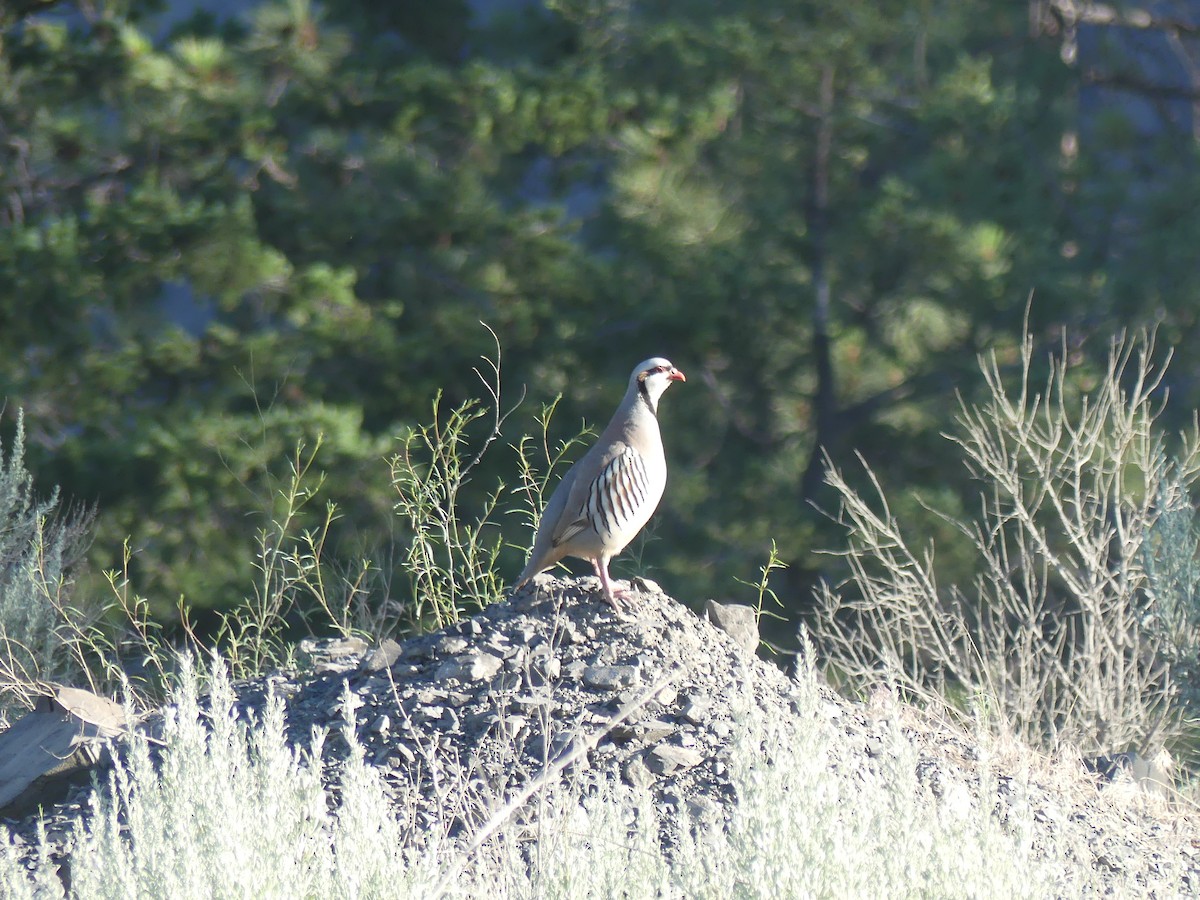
(1054, 640)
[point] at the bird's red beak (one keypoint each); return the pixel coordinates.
(676, 375)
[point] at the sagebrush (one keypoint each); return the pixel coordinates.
(1065, 635)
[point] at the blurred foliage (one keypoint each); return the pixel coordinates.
(224, 236)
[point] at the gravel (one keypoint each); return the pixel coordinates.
(462, 718)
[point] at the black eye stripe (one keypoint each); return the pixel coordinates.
(656, 370)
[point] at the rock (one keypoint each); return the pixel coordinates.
(738, 621)
(610, 678)
(473, 666)
(59, 741)
(635, 772)
(333, 655)
(575, 670)
(450, 729)
(696, 710)
(383, 657)
(451, 644)
(666, 758)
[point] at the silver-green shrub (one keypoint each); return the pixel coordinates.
(38, 545)
(229, 809)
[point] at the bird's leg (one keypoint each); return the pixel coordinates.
(610, 596)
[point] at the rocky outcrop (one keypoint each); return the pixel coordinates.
(55, 747)
(494, 700)
(464, 718)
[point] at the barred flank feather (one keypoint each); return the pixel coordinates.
(619, 493)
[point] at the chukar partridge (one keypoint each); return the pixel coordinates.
(608, 496)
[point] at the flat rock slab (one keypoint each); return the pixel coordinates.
(47, 749)
(737, 620)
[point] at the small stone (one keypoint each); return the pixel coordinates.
(696, 711)
(548, 668)
(655, 730)
(737, 620)
(575, 670)
(635, 772)
(646, 585)
(451, 644)
(383, 656)
(608, 678)
(665, 759)
(382, 725)
(474, 666)
(331, 648)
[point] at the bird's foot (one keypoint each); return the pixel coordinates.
(617, 600)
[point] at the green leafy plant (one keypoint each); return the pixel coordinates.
(451, 557)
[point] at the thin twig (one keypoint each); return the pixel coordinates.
(577, 749)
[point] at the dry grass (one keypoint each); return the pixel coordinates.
(1056, 641)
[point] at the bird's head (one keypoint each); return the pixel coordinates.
(653, 376)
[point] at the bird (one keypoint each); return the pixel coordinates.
(611, 492)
